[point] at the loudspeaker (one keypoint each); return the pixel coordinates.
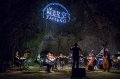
(78, 73)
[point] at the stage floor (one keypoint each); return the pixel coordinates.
(58, 74)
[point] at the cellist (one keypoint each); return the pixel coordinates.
(90, 63)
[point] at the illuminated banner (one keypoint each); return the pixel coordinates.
(56, 12)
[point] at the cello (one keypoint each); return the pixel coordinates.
(90, 64)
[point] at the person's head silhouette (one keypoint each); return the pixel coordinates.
(75, 44)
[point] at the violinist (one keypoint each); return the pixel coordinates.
(16, 59)
(61, 60)
(49, 62)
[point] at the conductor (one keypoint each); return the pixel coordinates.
(75, 55)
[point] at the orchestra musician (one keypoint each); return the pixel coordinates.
(61, 60)
(90, 63)
(16, 59)
(82, 60)
(50, 60)
(17, 55)
(26, 59)
(106, 57)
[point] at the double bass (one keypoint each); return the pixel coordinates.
(106, 64)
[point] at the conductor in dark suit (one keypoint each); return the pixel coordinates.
(75, 55)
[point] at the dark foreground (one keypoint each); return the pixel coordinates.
(63, 74)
